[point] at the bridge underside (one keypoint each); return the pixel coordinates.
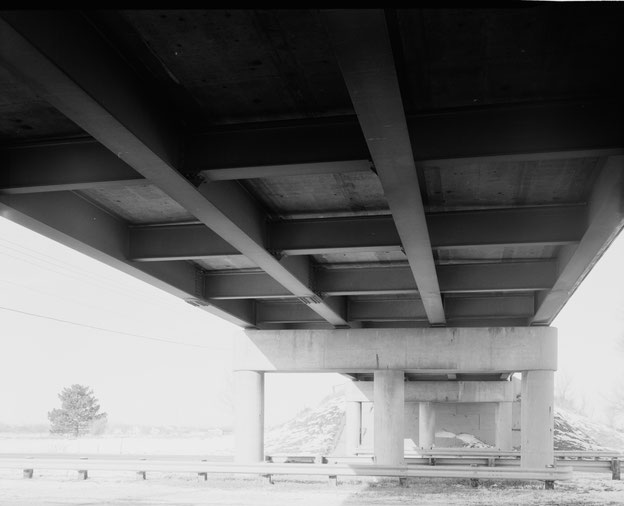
(316, 172)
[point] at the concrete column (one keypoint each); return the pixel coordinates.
(537, 418)
(353, 426)
(388, 396)
(249, 416)
(426, 425)
(503, 426)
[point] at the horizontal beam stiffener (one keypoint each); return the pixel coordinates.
(546, 225)
(375, 280)
(79, 166)
(395, 309)
(442, 350)
(532, 132)
(440, 391)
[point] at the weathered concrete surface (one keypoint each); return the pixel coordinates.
(538, 389)
(440, 391)
(426, 425)
(487, 349)
(503, 422)
(389, 401)
(249, 416)
(353, 426)
(476, 418)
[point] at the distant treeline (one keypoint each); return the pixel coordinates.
(24, 429)
(121, 429)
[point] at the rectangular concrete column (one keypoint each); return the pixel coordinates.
(249, 416)
(426, 425)
(503, 426)
(537, 418)
(388, 398)
(353, 426)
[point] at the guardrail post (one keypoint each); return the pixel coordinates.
(28, 473)
(333, 480)
(615, 468)
(203, 475)
(84, 474)
(141, 475)
(474, 482)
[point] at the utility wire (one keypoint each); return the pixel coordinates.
(158, 339)
(79, 274)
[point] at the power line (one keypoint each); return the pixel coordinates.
(78, 274)
(93, 327)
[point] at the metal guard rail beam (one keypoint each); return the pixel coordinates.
(548, 475)
(491, 452)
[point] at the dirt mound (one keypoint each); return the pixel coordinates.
(311, 432)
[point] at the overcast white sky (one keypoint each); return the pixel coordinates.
(140, 380)
(137, 379)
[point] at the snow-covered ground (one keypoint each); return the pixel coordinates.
(311, 432)
(575, 432)
(115, 445)
(188, 491)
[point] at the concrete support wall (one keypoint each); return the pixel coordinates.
(503, 426)
(353, 426)
(249, 416)
(389, 398)
(478, 419)
(426, 425)
(368, 425)
(538, 389)
(459, 407)
(440, 391)
(516, 418)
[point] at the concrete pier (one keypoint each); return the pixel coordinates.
(538, 389)
(484, 407)
(426, 425)
(503, 422)
(353, 426)
(249, 416)
(389, 399)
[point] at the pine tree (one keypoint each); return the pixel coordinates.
(79, 410)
